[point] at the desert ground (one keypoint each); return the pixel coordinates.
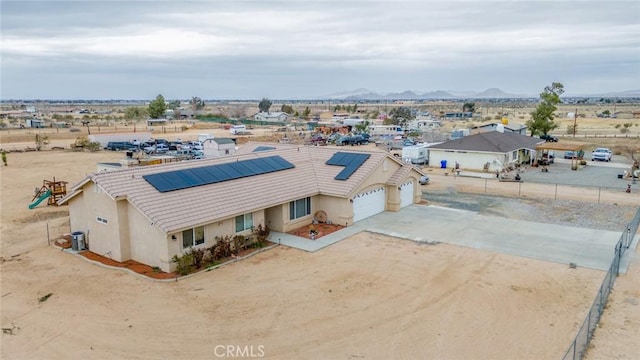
(368, 296)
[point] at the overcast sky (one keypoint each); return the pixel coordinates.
(304, 49)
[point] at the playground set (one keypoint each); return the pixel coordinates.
(51, 190)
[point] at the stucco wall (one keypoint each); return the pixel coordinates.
(467, 160)
(147, 243)
(84, 209)
(220, 228)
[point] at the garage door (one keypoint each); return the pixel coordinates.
(406, 194)
(369, 203)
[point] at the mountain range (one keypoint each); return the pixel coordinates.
(491, 93)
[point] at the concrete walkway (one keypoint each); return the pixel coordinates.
(432, 224)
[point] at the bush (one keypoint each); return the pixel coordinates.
(261, 234)
(94, 146)
(184, 263)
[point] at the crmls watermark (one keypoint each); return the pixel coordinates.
(239, 351)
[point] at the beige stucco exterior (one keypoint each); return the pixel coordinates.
(129, 234)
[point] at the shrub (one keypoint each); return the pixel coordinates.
(94, 146)
(197, 255)
(261, 234)
(184, 263)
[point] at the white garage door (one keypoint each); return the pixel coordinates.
(406, 194)
(369, 203)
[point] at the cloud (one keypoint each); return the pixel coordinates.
(263, 43)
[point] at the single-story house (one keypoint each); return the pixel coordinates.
(494, 148)
(514, 128)
(151, 213)
(271, 116)
(218, 147)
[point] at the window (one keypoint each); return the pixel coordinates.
(244, 222)
(193, 237)
(515, 155)
(101, 220)
(299, 208)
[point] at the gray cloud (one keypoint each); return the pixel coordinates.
(117, 49)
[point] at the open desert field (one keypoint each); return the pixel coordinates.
(368, 296)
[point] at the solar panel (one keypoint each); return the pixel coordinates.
(350, 161)
(204, 175)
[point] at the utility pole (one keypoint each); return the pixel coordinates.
(575, 122)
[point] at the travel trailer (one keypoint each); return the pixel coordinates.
(416, 154)
(238, 129)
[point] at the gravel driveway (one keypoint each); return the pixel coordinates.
(561, 212)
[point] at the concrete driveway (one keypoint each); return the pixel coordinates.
(432, 224)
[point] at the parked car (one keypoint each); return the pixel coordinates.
(121, 145)
(424, 180)
(197, 145)
(342, 141)
(601, 154)
(570, 155)
(162, 148)
(357, 140)
(317, 139)
(548, 138)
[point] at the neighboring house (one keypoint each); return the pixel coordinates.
(514, 128)
(474, 152)
(218, 147)
(271, 116)
(151, 213)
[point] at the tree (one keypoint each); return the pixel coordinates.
(401, 116)
(541, 121)
(264, 105)
(135, 113)
(287, 109)
(196, 104)
(633, 152)
(174, 104)
(306, 112)
(363, 126)
(469, 107)
(157, 107)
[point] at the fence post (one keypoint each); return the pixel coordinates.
(519, 188)
(485, 186)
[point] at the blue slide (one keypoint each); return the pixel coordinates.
(40, 199)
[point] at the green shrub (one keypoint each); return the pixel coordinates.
(184, 263)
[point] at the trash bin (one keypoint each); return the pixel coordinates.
(77, 240)
(443, 164)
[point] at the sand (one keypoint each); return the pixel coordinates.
(366, 297)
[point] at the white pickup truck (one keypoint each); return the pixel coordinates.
(601, 154)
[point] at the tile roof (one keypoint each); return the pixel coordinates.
(181, 209)
(492, 141)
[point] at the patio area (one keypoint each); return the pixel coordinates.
(321, 229)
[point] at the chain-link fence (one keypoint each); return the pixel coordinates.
(580, 344)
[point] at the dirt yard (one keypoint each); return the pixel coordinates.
(366, 297)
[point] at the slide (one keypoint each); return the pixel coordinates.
(40, 199)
